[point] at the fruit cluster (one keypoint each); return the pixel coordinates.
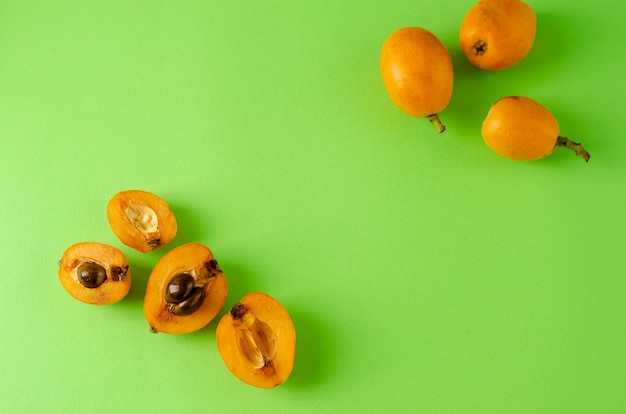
(185, 290)
(418, 75)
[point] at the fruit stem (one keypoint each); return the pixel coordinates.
(434, 119)
(574, 146)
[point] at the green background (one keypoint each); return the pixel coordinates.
(423, 273)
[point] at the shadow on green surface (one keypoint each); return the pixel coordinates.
(241, 281)
(471, 97)
(139, 273)
(315, 347)
(190, 228)
(315, 350)
(551, 48)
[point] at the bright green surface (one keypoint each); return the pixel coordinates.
(423, 273)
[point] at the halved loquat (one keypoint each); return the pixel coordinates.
(185, 291)
(522, 129)
(257, 341)
(141, 220)
(95, 273)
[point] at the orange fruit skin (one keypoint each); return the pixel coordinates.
(271, 312)
(520, 128)
(508, 28)
(417, 71)
(182, 259)
(125, 230)
(110, 291)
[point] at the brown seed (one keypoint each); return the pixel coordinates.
(191, 304)
(179, 288)
(91, 275)
(197, 303)
(95, 273)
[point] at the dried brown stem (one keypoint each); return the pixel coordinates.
(434, 119)
(574, 146)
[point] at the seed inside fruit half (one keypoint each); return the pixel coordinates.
(185, 290)
(257, 341)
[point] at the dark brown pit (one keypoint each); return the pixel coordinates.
(189, 305)
(180, 288)
(91, 275)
